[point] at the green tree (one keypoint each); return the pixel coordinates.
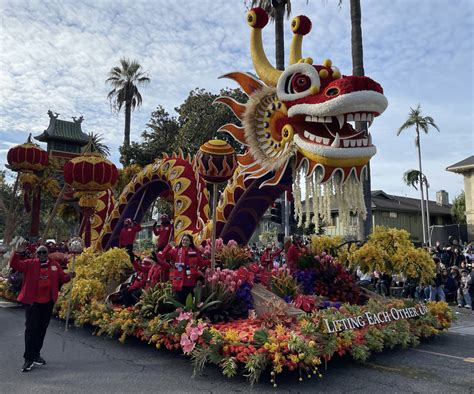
(159, 137)
(421, 123)
(276, 11)
(125, 80)
(458, 210)
(198, 121)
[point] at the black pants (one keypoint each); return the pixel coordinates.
(37, 321)
(129, 249)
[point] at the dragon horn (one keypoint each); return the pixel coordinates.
(257, 18)
(300, 25)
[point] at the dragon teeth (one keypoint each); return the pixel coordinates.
(340, 119)
(337, 141)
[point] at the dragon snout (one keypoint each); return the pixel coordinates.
(350, 84)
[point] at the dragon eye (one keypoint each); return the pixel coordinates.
(332, 92)
(300, 83)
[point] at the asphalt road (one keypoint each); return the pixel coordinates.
(92, 364)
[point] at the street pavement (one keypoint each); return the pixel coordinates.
(79, 362)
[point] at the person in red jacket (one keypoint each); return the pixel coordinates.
(164, 232)
(42, 279)
(159, 271)
(127, 237)
(186, 261)
(268, 255)
(130, 294)
(294, 251)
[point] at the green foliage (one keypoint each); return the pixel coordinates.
(229, 367)
(260, 337)
(152, 301)
(256, 364)
(194, 302)
(307, 261)
(283, 284)
(458, 210)
(198, 121)
(233, 257)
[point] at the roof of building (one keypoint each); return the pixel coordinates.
(463, 165)
(63, 130)
(382, 201)
(387, 202)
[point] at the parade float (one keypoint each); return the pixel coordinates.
(245, 318)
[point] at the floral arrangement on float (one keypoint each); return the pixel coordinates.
(219, 325)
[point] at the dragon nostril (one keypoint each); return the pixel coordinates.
(332, 92)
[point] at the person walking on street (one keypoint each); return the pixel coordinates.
(42, 279)
(127, 237)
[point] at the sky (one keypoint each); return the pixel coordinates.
(56, 54)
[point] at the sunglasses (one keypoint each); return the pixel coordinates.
(42, 252)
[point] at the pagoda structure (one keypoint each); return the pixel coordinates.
(64, 139)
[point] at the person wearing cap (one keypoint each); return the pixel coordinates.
(127, 237)
(42, 279)
(164, 232)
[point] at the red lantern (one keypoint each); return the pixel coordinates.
(89, 174)
(27, 157)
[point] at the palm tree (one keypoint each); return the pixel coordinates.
(97, 145)
(125, 81)
(276, 11)
(412, 178)
(416, 119)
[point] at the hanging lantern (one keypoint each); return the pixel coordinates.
(89, 174)
(216, 161)
(27, 159)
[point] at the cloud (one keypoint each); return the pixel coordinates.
(56, 55)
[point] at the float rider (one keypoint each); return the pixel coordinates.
(127, 237)
(164, 232)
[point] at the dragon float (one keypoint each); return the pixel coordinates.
(295, 129)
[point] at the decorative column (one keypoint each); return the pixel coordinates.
(216, 162)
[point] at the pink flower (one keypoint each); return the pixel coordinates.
(232, 243)
(185, 316)
(187, 344)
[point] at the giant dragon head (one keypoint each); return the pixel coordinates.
(302, 115)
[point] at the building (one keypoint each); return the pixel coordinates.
(64, 139)
(397, 212)
(466, 168)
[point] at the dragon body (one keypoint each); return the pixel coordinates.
(296, 129)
